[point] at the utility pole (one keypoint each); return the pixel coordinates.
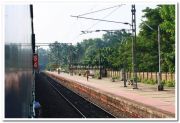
(57, 52)
(58, 55)
(58, 61)
(70, 59)
(124, 75)
(160, 87)
(100, 76)
(133, 10)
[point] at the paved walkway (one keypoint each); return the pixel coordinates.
(146, 94)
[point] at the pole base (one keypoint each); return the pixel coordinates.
(125, 86)
(160, 87)
(99, 77)
(135, 87)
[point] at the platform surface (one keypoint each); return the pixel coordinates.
(146, 94)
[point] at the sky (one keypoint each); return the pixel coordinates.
(53, 21)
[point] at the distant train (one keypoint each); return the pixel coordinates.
(19, 49)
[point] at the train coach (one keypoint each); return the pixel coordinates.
(19, 72)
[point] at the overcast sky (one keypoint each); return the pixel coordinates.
(53, 21)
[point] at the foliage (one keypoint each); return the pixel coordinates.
(163, 16)
(43, 58)
(96, 75)
(149, 81)
(114, 78)
(114, 49)
(169, 83)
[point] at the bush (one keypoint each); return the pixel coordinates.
(164, 82)
(115, 78)
(96, 75)
(169, 83)
(137, 79)
(152, 82)
(149, 81)
(144, 81)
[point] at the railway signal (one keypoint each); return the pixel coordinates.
(35, 61)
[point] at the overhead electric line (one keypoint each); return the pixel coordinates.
(79, 16)
(147, 24)
(126, 23)
(100, 10)
(91, 31)
(103, 18)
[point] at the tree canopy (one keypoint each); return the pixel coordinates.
(115, 48)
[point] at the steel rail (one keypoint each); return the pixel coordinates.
(85, 99)
(66, 99)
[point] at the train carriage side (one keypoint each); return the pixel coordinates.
(19, 74)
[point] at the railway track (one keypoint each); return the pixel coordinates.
(80, 106)
(67, 100)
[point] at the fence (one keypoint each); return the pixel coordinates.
(143, 75)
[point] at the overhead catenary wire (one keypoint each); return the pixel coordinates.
(126, 23)
(103, 18)
(100, 10)
(116, 8)
(147, 24)
(78, 35)
(91, 31)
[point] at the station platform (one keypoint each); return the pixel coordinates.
(145, 101)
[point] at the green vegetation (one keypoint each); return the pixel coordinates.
(96, 75)
(164, 82)
(115, 48)
(114, 78)
(138, 79)
(169, 83)
(149, 81)
(163, 15)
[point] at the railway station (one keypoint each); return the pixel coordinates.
(123, 74)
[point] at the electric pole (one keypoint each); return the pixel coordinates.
(100, 76)
(160, 87)
(133, 10)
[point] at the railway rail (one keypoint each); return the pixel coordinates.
(78, 105)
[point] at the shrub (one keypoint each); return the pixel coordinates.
(169, 83)
(144, 80)
(152, 82)
(164, 82)
(96, 75)
(137, 79)
(149, 81)
(114, 78)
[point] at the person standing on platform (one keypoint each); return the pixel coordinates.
(58, 71)
(87, 74)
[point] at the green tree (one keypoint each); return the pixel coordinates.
(43, 58)
(167, 13)
(163, 15)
